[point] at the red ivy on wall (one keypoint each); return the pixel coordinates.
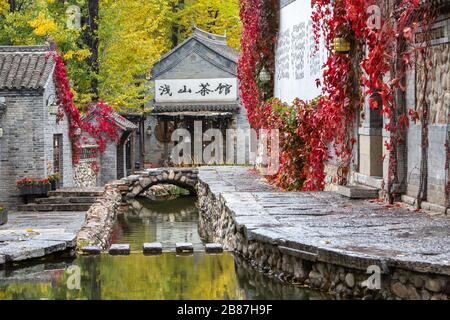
(307, 129)
(98, 122)
(67, 106)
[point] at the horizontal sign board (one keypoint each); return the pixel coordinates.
(196, 90)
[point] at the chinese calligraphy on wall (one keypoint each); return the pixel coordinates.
(298, 60)
(196, 90)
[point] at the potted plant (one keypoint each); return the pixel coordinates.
(33, 187)
(54, 180)
(3, 215)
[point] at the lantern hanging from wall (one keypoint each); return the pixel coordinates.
(264, 75)
(341, 45)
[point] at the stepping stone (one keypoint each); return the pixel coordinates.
(184, 247)
(152, 248)
(119, 249)
(91, 250)
(213, 248)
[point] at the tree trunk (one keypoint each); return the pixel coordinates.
(91, 38)
(175, 27)
(12, 5)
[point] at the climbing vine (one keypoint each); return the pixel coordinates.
(98, 121)
(101, 125)
(349, 78)
(66, 105)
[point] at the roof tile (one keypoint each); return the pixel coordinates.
(24, 67)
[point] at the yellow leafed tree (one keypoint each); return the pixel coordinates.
(133, 35)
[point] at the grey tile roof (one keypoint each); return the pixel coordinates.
(214, 42)
(120, 121)
(179, 107)
(24, 67)
(123, 122)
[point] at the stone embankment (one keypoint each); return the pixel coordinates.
(96, 230)
(353, 249)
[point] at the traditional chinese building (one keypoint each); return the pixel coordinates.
(32, 143)
(196, 81)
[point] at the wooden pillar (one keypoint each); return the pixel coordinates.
(133, 151)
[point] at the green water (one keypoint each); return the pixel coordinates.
(167, 222)
(139, 277)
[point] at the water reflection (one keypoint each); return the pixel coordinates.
(139, 277)
(166, 222)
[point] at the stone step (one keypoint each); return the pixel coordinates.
(119, 249)
(55, 207)
(358, 192)
(76, 193)
(66, 200)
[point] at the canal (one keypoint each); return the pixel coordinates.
(140, 277)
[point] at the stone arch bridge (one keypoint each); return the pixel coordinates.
(134, 185)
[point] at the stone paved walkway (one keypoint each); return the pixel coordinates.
(34, 235)
(332, 228)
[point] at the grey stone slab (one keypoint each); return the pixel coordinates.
(184, 247)
(69, 238)
(91, 250)
(358, 192)
(213, 248)
(119, 249)
(152, 248)
(19, 251)
(2, 259)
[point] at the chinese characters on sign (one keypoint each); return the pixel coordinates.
(298, 58)
(196, 90)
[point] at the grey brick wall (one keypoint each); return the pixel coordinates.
(108, 162)
(52, 128)
(26, 149)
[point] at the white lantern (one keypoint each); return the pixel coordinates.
(264, 75)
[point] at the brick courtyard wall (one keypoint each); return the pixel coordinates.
(26, 148)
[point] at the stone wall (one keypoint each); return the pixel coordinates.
(438, 98)
(108, 164)
(100, 219)
(218, 225)
(84, 175)
(26, 148)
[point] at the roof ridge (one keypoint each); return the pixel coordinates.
(208, 36)
(24, 49)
